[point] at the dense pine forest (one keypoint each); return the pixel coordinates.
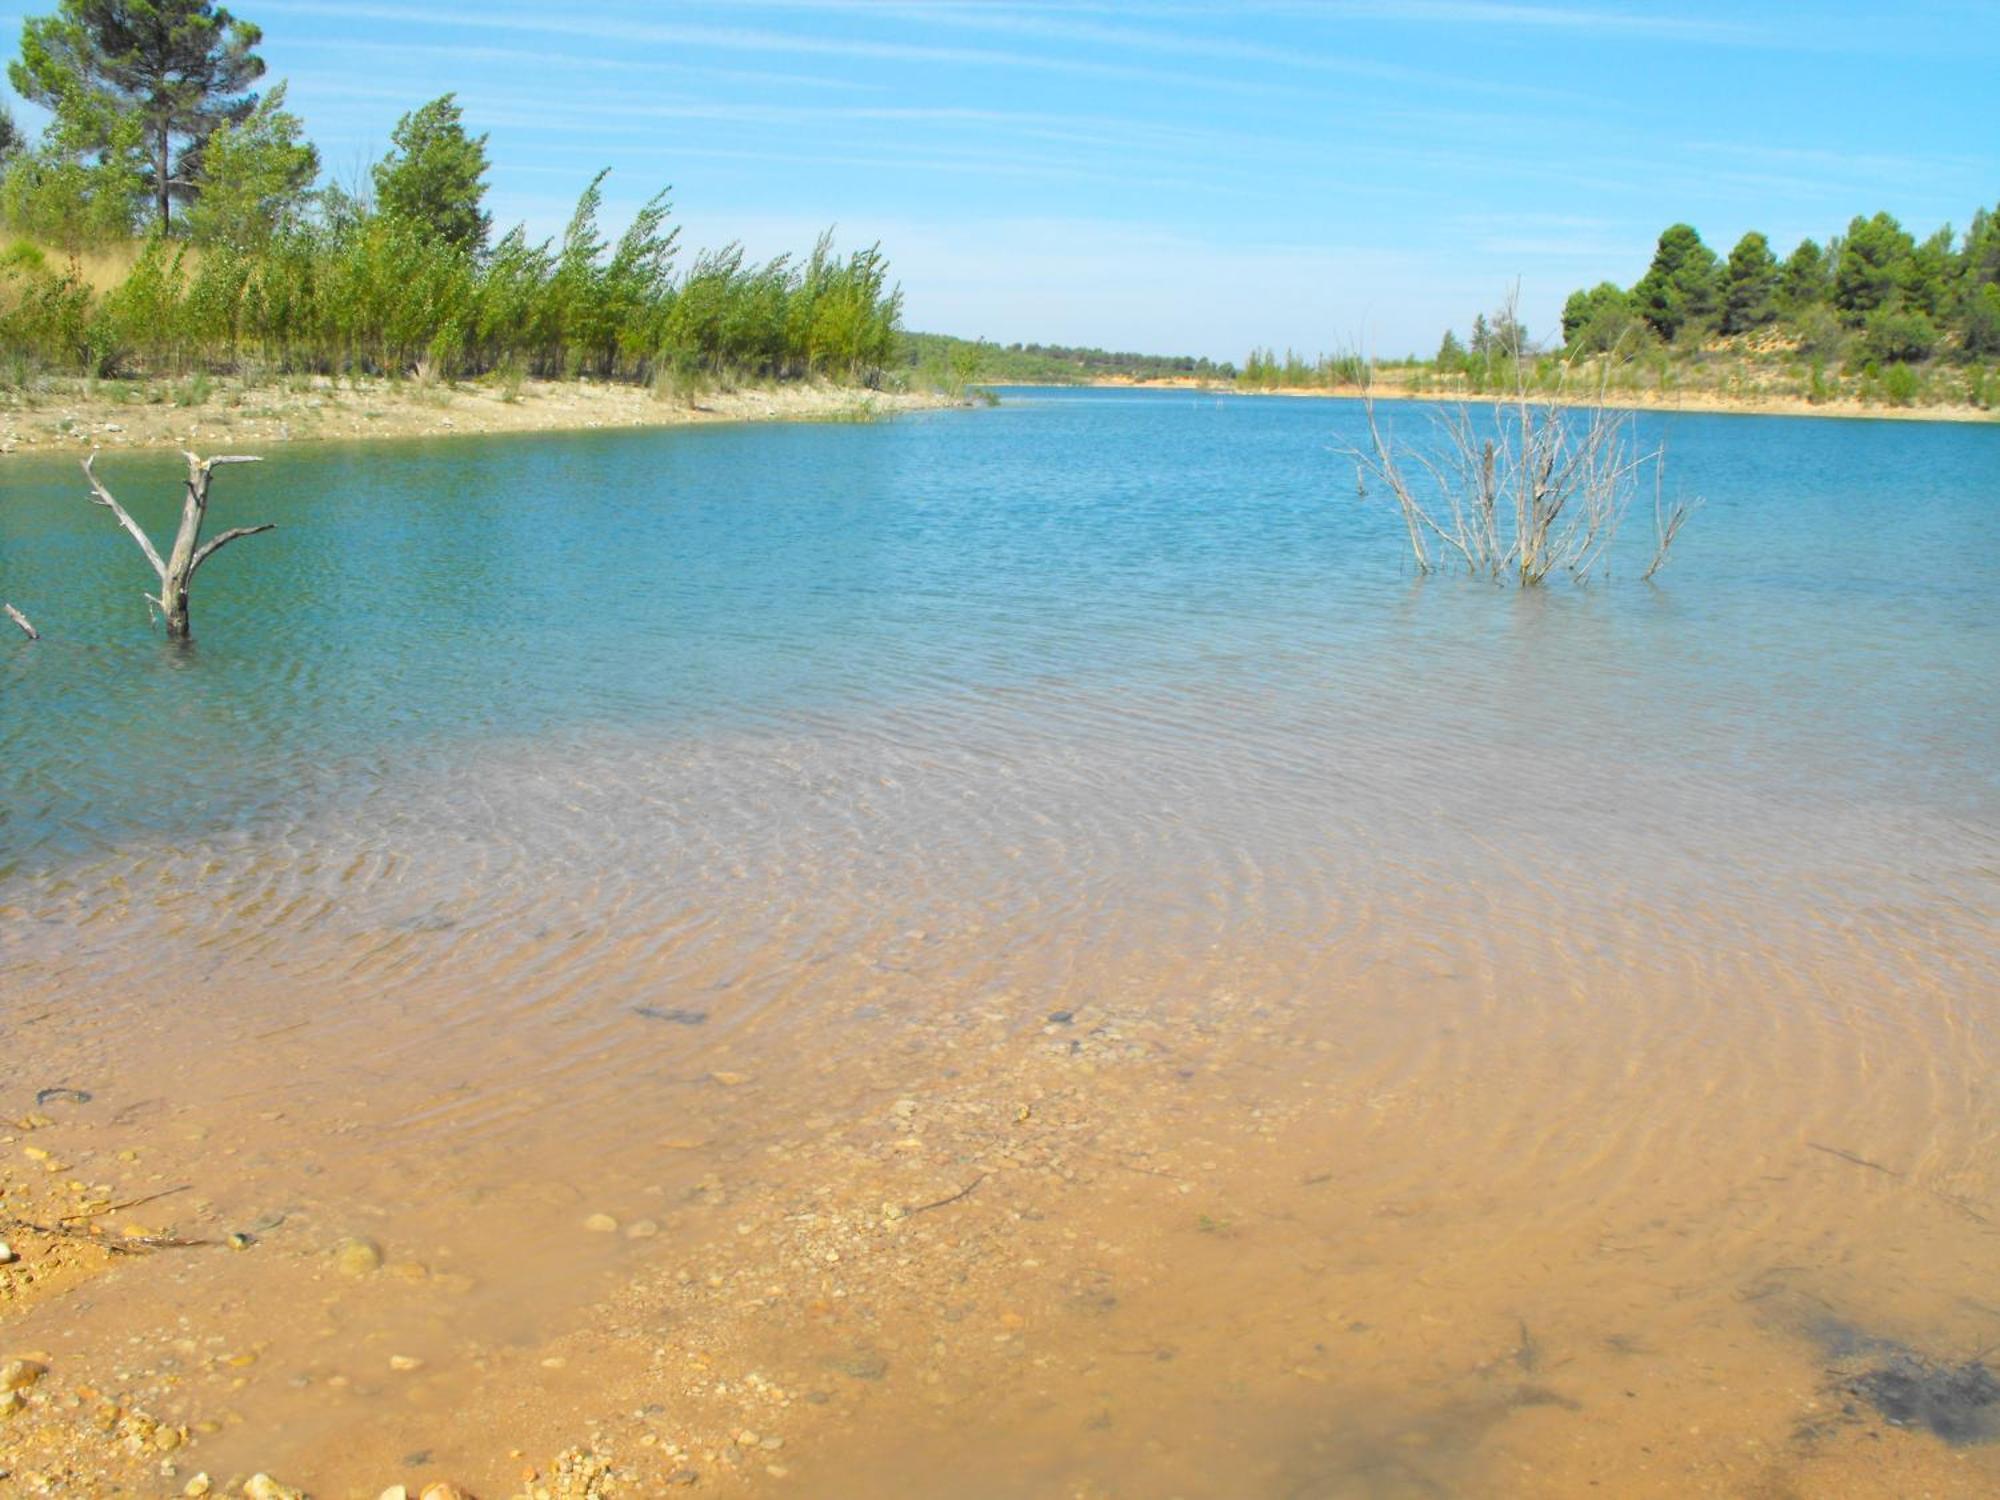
(171, 220)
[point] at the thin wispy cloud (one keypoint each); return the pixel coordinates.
(765, 42)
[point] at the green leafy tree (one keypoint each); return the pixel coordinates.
(1451, 353)
(435, 177)
(1679, 290)
(1750, 286)
(1932, 273)
(1510, 336)
(180, 68)
(1876, 267)
(1806, 280)
(81, 184)
(1979, 320)
(1598, 320)
(255, 176)
(1979, 260)
(10, 136)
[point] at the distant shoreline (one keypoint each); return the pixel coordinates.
(1707, 403)
(231, 415)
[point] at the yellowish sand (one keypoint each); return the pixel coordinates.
(234, 415)
(1389, 388)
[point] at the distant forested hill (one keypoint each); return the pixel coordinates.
(1043, 364)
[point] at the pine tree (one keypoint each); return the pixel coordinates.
(1750, 285)
(180, 68)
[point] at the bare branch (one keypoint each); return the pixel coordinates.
(101, 496)
(217, 543)
(177, 572)
(21, 620)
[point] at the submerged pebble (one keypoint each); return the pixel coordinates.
(20, 1374)
(355, 1256)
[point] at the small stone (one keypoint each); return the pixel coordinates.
(241, 1241)
(7, 1255)
(772, 1444)
(601, 1224)
(682, 1477)
(167, 1439)
(19, 1374)
(730, 1080)
(394, 1492)
(440, 1490)
(405, 1362)
(11, 1402)
(746, 1439)
(643, 1229)
(200, 1485)
(264, 1487)
(355, 1256)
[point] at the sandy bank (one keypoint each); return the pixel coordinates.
(1707, 401)
(112, 414)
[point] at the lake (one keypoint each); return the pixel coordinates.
(1025, 950)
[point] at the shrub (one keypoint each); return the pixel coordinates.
(1899, 334)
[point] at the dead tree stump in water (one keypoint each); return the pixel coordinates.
(177, 572)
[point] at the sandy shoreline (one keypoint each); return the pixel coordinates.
(233, 414)
(1776, 406)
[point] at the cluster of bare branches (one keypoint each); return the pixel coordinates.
(1530, 485)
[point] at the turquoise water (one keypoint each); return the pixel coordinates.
(1830, 626)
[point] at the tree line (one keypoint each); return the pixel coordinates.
(1264, 370)
(931, 354)
(158, 142)
(1876, 292)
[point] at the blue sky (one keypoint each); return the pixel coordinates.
(1182, 177)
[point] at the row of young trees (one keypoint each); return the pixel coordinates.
(1265, 370)
(1903, 300)
(155, 135)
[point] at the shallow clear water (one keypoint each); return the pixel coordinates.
(1828, 627)
(1561, 931)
